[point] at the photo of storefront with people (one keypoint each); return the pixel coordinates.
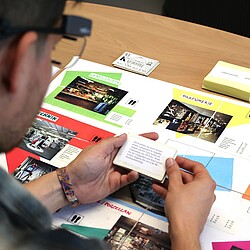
(193, 120)
(91, 95)
(31, 169)
(46, 139)
(128, 234)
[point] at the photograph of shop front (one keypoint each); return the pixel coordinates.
(193, 120)
(32, 169)
(128, 234)
(91, 95)
(46, 139)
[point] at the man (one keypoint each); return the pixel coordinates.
(24, 77)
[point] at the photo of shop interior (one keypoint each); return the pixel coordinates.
(128, 234)
(91, 95)
(142, 194)
(192, 120)
(46, 139)
(31, 169)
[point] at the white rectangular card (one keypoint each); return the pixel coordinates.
(144, 156)
(136, 63)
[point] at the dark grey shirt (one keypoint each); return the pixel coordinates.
(26, 224)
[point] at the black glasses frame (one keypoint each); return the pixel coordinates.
(71, 26)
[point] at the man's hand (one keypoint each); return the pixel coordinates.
(93, 174)
(188, 200)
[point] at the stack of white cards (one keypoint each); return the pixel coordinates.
(136, 63)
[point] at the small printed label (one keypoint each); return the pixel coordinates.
(231, 74)
(222, 222)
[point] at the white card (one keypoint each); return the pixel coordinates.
(144, 156)
(136, 63)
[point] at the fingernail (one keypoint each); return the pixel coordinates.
(121, 135)
(170, 162)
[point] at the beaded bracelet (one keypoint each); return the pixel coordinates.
(67, 187)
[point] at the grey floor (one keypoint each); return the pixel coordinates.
(151, 6)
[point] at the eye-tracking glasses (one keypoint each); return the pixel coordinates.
(73, 29)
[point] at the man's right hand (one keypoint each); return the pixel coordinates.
(188, 201)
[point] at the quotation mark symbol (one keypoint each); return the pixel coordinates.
(96, 139)
(75, 219)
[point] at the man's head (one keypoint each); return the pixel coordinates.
(25, 67)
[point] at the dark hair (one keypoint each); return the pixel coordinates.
(31, 13)
(34, 13)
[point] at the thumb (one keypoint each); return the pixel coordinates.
(112, 143)
(173, 172)
(119, 140)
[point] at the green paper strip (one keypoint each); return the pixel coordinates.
(89, 232)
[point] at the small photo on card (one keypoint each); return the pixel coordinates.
(145, 156)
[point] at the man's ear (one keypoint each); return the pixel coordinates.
(20, 57)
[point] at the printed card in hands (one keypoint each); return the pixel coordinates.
(144, 156)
